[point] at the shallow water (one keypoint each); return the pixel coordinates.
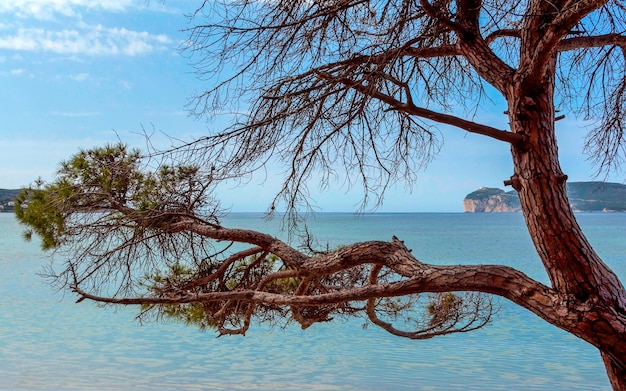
(48, 342)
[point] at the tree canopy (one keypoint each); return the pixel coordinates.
(353, 89)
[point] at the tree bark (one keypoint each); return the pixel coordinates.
(617, 374)
(572, 265)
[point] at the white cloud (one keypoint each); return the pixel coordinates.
(75, 114)
(91, 40)
(80, 76)
(46, 9)
(126, 84)
(14, 72)
(50, 9)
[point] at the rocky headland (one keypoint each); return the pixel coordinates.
(583, 196)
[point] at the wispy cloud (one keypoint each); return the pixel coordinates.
(91, 40)
(80, 76)
(46, 9)
(14, 72)
(125, 84)
(75, 114)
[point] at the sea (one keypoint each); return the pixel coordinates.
(49, 342)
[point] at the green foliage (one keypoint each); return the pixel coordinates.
(43, 214)
(443, 308)
(284, 285)
(109, 180)
(484, 193)
(85, 183)
(106, 171)
(191, 314)
(243, 274)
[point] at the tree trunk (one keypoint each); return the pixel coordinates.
(617, 375)
(572, 265)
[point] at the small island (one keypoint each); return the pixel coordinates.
(583, 196)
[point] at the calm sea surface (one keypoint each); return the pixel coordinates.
(48, 342)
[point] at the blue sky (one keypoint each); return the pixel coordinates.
(81, 73)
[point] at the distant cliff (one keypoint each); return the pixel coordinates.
(489, 199)
(583, 196)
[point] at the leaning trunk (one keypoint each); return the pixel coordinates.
(617, 373)
(572, 265)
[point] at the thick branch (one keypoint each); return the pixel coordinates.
(406, 50)
(500, 280)
(265, 241)
(472, 127)
(476, 50)
(225, 264)
(503, 33)
(410, 108)
(446, 318)
(437, 12)
(545, 29)
(592, 41)
(575, 11)
(420, 278)
(430, 52)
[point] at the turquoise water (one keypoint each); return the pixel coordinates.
(48, 342)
